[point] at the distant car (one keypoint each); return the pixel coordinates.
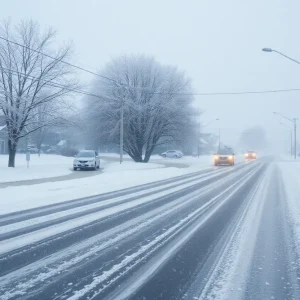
(250, 155)
(86, 159)
(224, 157)
(172, 154)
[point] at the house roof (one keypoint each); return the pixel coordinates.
(203, 141)
(2, 120)
(62, 143)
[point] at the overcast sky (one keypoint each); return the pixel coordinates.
(217, 43)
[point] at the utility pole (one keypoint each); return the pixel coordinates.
(122, 127)
(198, 144)
(291, 132)
(295, 138)
(294, 121)
(219, 138)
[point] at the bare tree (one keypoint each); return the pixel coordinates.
(157, 105)
(30, 80)
(48, 116)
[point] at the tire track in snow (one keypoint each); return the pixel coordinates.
(170, 202)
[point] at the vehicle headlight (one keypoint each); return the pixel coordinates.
(246, 154)
(230, 157)
(216, 157)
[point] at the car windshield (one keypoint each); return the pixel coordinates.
(86, 154)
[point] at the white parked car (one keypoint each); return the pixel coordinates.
(172, 154)
(86, 159)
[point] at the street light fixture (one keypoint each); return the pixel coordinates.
(280, 53)
(267, 50)
(294, 121)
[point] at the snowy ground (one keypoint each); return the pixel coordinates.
(114, 177)
(290, 172)
(45, 166)
(219, 234)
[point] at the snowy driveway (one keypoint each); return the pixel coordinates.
(222, 233)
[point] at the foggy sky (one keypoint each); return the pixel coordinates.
(217, 43)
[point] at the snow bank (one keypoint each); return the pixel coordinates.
(114, 177)
(45, 166)
(128, 165)
(26, 197)
(290, 172)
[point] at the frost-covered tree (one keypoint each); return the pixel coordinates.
(29, 79)
(157, 105)
(49, 116)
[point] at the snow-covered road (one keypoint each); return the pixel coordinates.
(221, 233)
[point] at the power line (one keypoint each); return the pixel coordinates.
(57, 85)
(86, 93)
(141, 88)
(138, 88)
(54, 58)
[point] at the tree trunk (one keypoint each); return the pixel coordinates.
(148, 154)
(12, 149)
(137, 158)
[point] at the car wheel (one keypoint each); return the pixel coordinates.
(176, 156)
(75, 169)
(98, 166)
(164, 156)
(95, 167)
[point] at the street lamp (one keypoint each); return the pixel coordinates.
(294, 121)
(210, 122)
(291, 136)
(203, 127)
(273, 50)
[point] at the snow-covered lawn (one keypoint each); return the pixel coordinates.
(114, 177)
(45, 166)
(25, 197)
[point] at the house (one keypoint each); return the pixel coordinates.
(207, 143)
(3, 136)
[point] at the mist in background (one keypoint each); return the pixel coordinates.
(217, 44)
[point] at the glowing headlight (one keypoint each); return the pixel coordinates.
(230, 157)
(246, 154)
(216, 157)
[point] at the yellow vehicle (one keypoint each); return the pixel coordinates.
(249, 155)
(224, 157)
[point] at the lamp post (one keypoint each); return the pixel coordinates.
(294, 122)
(291, 137)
